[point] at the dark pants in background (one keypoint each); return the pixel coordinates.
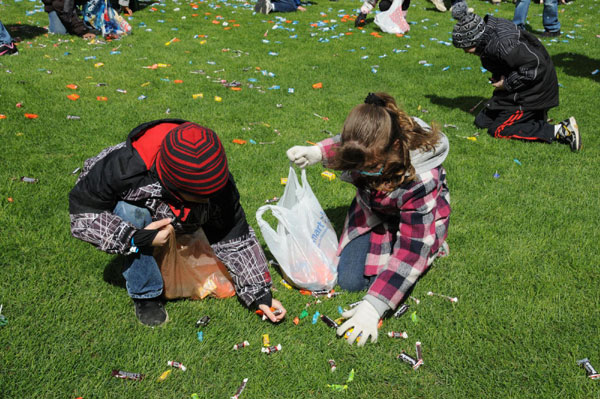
(516, 124)
(284, 6)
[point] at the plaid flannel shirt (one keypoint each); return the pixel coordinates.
(407, 226)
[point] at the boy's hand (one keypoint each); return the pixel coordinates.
(164, 231)
(499, 84)
(278, 306)
(88, 36)
(300, 8)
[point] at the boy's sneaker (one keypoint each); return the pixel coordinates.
(568, 133)
(263, 6)
(150, 312)
(548, 33)
(8, 49)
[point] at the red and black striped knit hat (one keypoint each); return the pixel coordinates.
(191, 160)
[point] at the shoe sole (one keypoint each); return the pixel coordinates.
(155, 325)
(439, 6)
(576, 144)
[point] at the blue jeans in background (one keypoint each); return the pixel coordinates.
(4, 35)
(549, 15)
(351, 267)
(284, 6)
(142, 274)
(55, 25)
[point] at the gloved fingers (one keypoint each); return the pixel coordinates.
(349, 313)
(348, 324)
(374, 337)
(354, 334)
(301, 162)
(362, 341)
(294, 153)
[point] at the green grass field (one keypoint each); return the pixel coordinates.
(524, 246)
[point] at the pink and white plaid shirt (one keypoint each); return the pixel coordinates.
(407, 226)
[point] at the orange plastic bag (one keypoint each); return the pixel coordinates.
(190, 269)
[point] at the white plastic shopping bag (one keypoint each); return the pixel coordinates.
(305, 243)
(392, 20)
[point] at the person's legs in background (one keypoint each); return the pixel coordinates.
(7, 47)
(55, 25)
(550, 18)
(284, 6)
(521, 9)
(4, 35)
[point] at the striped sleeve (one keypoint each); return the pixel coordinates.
(247, 264)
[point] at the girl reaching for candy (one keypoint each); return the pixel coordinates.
(397, 223)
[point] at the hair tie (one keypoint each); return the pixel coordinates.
(375, 100)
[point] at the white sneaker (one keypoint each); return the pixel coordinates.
(439, 4)
(263, 6)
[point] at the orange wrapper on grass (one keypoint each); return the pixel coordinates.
(260, 312)
(305, 292)
(73, 97)
(72, 87)
(101, 98)
(31, 116)
(2, 116)
(317, 85)
(296, 320)
(177, 81)
(239, 141)
(236, 88)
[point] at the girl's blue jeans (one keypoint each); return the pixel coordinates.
(549, 15)
(142, 274)
(351, 266)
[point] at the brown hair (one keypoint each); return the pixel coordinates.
(377, 132)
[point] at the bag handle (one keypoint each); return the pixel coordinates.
(277, 212)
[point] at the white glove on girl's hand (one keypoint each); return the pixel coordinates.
(366, 7)
(364, 319)
(304, 156)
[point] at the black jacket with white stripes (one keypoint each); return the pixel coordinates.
(118, 173)
(530, 81)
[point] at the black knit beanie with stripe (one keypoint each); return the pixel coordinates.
(469, 27)
(191, 160)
